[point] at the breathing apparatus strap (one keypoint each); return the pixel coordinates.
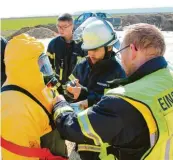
(22, 90)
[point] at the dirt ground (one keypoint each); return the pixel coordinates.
(162, 21)
(71, 153)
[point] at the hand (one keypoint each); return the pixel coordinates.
(57, 99)
(76, 90)
(83, 104)
(79, 106)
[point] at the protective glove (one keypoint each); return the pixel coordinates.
(58, 99)
(60, 106)
(54, 143)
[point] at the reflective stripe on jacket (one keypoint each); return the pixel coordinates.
(153, 97)
(126, 123)
(63, 56)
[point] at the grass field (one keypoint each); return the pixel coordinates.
(15, 24)
(18, 23)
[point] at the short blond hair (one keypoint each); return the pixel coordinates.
(145, 36)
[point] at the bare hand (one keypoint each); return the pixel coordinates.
(57, 99)
(83, 104)
(74, 90)
(79, 106)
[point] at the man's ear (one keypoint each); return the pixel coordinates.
(133, 51)
(110, 48)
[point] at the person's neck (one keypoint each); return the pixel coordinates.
(68, 39)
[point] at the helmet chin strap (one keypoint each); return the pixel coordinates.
(107, 53)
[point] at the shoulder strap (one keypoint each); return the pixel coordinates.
(42, 153)
(19, 89)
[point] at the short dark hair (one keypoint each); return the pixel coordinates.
(65, 17)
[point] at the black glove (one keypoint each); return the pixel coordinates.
(54, 143)
(83, 94)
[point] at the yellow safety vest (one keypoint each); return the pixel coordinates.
(152, 96)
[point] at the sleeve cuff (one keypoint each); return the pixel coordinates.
(61, 107)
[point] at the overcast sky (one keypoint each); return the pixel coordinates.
(22, 8)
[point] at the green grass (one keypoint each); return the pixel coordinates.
(118, 15)
(18, 23)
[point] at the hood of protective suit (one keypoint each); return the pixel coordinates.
(22, 69)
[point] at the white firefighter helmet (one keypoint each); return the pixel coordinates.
(97, 33)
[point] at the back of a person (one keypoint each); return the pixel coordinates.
(158, 94)
(23, 122)
(134, 118)
(152, 95)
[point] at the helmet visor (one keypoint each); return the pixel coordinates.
(44, 65)
(117, 44)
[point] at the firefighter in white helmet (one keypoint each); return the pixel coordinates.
(100, 66)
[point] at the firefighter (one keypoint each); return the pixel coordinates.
(133, 121)
(63, 52)
(28, 131)
(100, 66)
